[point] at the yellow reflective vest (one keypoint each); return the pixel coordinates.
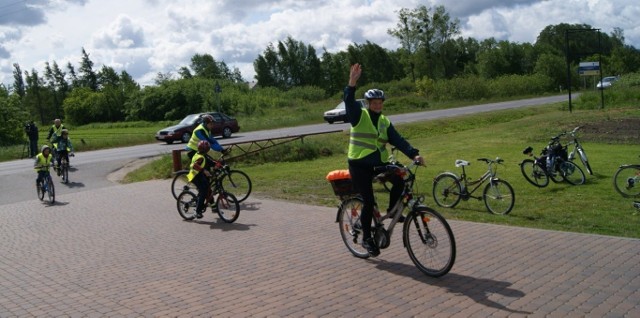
(193, 172)
(193, 142)
(42, 163)
(366, 139)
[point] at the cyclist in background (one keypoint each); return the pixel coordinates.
(370, 133)
(63, 147)
(203, 132)
(54, 133)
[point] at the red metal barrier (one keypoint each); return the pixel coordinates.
(177, 159)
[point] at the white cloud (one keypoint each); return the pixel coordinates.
(145, 37)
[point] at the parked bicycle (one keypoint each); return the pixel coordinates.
(45, 186)
(552, 164)
(579, 150)
(234, 181)
(426, 234)
(498, 195)
(626, 180)
(225, 204)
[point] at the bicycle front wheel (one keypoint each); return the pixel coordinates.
(51, 190)
(627, 181)
(350, 226)
(181, 184)
(446, 190)
(534, 173)
(187, 203)
(429, 241)
(499, 197)
(39, 190)
(228, 207)
(65, 173)
(238, 183)
(585, 161)
(571, 172)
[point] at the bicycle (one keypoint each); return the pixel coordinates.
(63, 169)
(552, 164)
(235, 180)
(45, 186)
(579, 150)
(626, 180)
(226, 204)
(426, 234)
(498, 195)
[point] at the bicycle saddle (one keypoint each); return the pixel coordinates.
(460, 163)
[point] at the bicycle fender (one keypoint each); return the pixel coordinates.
(338, 214)
(445, 173)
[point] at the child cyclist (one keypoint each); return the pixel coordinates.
(64, 148)
(199, 174)
(42, 163)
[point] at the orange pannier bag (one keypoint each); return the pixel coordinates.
(341, 182)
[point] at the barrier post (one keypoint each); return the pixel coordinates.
(177, 159)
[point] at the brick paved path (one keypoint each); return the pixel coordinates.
(123, 251)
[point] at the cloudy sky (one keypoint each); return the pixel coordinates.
(145, 37)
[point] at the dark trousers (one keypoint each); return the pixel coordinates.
(33, 147)
(202, 183)
(362, 178)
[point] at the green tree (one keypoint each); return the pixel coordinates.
(18, 81)
(13, 117)
(424, 33)
(88, 77)
(292, 64)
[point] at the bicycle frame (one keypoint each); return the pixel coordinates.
(466, 194)
(406, 200)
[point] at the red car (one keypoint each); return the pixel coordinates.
(224, 126)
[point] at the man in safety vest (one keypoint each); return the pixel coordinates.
(55, 132)
(370, 133)
(202, 132)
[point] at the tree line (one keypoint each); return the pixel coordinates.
(431, 56)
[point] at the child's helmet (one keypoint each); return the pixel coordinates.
(45, 147)
(64, 132)
(203, 146)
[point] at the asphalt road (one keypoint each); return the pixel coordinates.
(91, 168)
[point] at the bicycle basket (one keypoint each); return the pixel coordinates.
(341, 182)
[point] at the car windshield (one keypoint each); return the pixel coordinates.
(189, 120)
(340, 106)
(608, 79)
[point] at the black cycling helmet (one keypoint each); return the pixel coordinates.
(374, 94)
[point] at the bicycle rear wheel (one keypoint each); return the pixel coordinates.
(228, 207)
(429, 241)
(350, 226)
(446, 190)
(534, 173)
(181, 184)
(627, 181)
(498, 197)
(51, 190)
(238, 183)
(571, 172)
(187, 203)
